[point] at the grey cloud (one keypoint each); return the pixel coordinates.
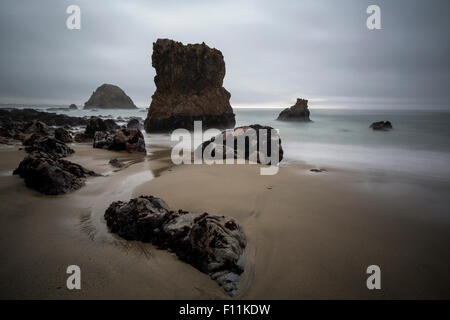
(274, 51)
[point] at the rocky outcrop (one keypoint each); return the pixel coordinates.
(50, 175)
(36, 127)
(81, 137)
(109, 96)
(257, 147)
(73, 107)
(130, 140)
(188, 83)
(43, 169)
(381, 126)
(63, 135)
(51, 119)
(12, 130)
(97, 124)
(213, 244)
(134, 123)
(111, 124)
(298, 112)
(47, 145)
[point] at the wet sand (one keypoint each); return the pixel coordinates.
(310, 235)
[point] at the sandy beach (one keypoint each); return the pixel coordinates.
(310, 235)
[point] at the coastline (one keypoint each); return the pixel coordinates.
(310, 235)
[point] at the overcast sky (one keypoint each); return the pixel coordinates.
(275, 51)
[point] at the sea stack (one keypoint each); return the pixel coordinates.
(189, 87)
(109, 96)
(298, 112)
(381, 126)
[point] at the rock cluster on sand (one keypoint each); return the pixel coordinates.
(50, 175)
(257, 142)
(189, 87)
(212, 244)
(381, 126)
(298, 112)
(109, 96)
(47, 145)
(31, 131)
(43, 169)
(96, 124)
(130, 140)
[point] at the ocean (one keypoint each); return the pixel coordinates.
(418, 145)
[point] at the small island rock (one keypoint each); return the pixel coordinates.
(109, 96)
(298, 112)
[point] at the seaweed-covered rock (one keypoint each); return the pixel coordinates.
(213, 244)
(189, 87)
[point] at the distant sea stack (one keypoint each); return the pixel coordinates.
(188, 83)
(109, 96)
(381, 126)
(298, 112)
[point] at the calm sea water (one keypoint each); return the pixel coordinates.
(419, 144)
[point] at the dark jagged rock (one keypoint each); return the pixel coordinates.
(36, 127)
(12, 130)
(298, 112)
(50, 175)
(213, 244)
(134, 123)
(109, 96)
(63, 135)
(257, 142)
(50, 119)
(4, 140)
(81, 137)
(95, 124)
(73, 107)
(188, 83)
(111, 125)
(116, 163)
(48, 145)
(381, 126)
(130, 140)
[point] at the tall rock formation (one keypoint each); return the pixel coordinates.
(109, 96)
(298, 112)
(188, 83)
